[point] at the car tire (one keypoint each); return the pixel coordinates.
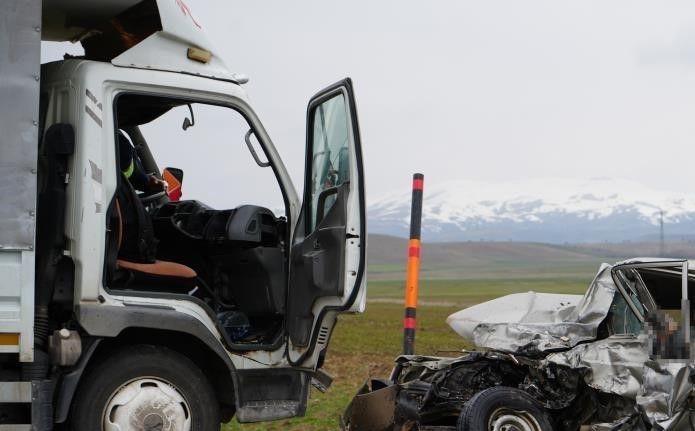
(503, 408)
(145, 388)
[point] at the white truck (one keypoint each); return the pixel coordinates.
(127, 310)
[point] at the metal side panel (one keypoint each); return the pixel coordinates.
(20, 57)
(17, 303)
(26, 308)
(15, 392)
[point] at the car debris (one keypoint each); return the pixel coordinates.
(617, 358)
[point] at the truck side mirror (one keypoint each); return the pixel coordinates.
(173, 177)
(189, 122)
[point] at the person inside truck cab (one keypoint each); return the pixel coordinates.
(135, 245)
(132, 169)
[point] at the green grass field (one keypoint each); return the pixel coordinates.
(365, 345)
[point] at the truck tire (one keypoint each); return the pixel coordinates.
(503, 408)
(145, 388)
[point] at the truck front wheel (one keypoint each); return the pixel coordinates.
(145, 388)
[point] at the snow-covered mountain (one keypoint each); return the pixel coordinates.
(543, 210)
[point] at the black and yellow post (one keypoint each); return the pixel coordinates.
(413, 274)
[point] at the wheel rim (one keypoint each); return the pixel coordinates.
(512, 420)
(147, 404)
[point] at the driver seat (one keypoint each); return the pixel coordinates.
(136, 265)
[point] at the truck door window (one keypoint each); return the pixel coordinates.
(330, 156)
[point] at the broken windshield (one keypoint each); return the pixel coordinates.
(621, 319)
(635, 293)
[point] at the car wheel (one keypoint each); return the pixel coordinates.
(145, 388)
(503, 409)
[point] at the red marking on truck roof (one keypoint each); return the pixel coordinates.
(186, 11)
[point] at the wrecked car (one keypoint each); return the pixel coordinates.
(616, 358)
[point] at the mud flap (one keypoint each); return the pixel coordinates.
(266, 395)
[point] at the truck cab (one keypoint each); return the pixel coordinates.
(144, 305)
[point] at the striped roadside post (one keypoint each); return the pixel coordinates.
(413, 274)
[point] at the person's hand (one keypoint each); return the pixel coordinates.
(156, 183)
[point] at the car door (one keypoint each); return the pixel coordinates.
(328, 257)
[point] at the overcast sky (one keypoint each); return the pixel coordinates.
(483, 90)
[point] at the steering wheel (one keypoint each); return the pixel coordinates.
(146, 199)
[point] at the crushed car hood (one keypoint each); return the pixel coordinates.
(535, 323)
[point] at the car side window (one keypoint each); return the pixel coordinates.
(621, 319)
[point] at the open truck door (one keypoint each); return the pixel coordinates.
(328, 256)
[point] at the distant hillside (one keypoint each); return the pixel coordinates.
(628, 249)
(547, 210)
(387, 257)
